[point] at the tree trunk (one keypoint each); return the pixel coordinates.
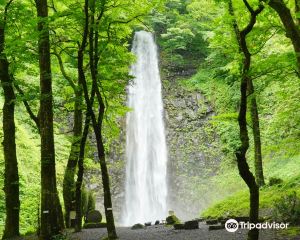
(69, 182)
(259, 175)
(51, 212)
(240, 153)
(105, 178)
(291, 28)
(11, 176)
(97, 126)
(80, 172)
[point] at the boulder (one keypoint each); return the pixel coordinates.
(172, 219)
(191, 225)
(178, 226)
(93, 216)
(148, 224)
(137, 226)
(212, 221)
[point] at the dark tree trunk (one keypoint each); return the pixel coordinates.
(97, 125)
(291, 28)
(51, 212)
(11, 176)
(105, 176)
(259, 175)
(80, 172)
(69, 182)
(243, 166)
(81, 79)
(254, 116)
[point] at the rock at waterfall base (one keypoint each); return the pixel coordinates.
(191, 225)
(178, 226)
(93, 220)
(93, 216)
(172, 219)
(137, 226)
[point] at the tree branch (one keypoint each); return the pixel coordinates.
(63, 71)
(27, 106)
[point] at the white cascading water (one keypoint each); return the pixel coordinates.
(146, 151)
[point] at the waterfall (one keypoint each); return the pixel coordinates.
(146, 152)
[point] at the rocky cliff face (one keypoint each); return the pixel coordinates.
(193, 150)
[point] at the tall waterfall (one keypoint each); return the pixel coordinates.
(146, 152)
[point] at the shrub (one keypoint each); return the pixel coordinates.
(287, 209)
(275, 181)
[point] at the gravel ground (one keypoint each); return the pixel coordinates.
(168, 233)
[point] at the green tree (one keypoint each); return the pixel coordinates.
(291, 28)
(51, 211)
(11, 184)
(246, 80)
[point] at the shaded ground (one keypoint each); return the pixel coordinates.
(168, 233)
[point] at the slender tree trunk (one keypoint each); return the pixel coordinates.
(105, 177)
(51, 212)
(11, 176)
(241, 152)
(259, 175)
(291, 28)
(80, 172)
(254, 115)
(69, 182)
(97, 126)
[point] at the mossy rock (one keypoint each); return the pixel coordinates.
(172, 219)
(93, 216)
(137, 226)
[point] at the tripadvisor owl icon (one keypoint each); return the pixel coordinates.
(231, 225)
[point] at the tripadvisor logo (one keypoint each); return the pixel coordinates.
(232, 225)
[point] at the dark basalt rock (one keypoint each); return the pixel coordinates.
(191, 225)
(148, 224)
(211, 222)
(137, 226)
(178, 226)
(199, 219)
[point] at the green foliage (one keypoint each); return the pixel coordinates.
(287, 209)
(236, 202)
(180, 38)
(91, 201)
(275, 181)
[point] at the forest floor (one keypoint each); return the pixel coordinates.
(168, 233)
